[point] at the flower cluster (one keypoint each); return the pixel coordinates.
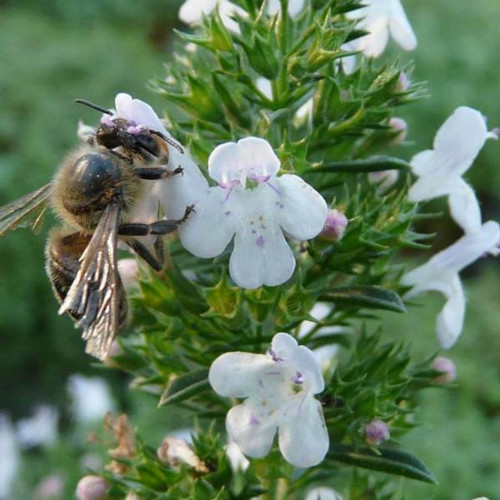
(439, 173)
(278, 388)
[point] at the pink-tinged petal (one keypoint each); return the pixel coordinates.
(261, 259)
(237, 374)
(464, 208)
(138, 111)
(180, 190)
(306, 363)
(450, 321)
(282, 346)
(224, 163)
(400, 27)
(303, 437)
(252, 427)
(257, 155)
(210, 228)
(301, 209)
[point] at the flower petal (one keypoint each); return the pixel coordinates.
(191, 11)
(257, 155)
(181, 190)
(283, 345)
(236, 374)
(253, 264)
(224, 162)
(210, 228)
(464, 208)
(302, 210)
(305, 362)
(450, 321)
(252, 428)
(138, 111)
(303, 437)
(400, 27)
(374, 43)
(457, 143)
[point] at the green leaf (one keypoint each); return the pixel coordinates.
(185, 386)
(374, 164)
(366, 296)
(400, 463)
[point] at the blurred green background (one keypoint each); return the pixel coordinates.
(56, 50)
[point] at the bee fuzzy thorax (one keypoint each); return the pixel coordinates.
(88, 180)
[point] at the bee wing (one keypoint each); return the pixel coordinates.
(94, 293)
(25, 211)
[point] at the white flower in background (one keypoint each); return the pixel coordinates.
(237, 461)
(381, 18)
(323, 493)
(440, 170)
(295, 7)
(192, 12)
(279, 388)
(325, 355)
(90, 398)
(129, 272)
(50, 488)
(9, 457)
(255, 207)
(40, 429)
(440, 274)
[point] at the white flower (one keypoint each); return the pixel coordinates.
(90, 398)
(192, 12)
(40, 429)
(255, 207)
(237, 461)
(323, 493)
(295, 7)
(279, 387)
(440, 274)
(379, 18)
(9, 457)
(440, 170)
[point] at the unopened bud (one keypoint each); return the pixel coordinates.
(237, 460)
(376, 431)
(447, 368)
(50, 488)
(399, 128)
(384, 179)
(335, 225)
(92, 488)
(132, 496)
(323, 493)
(403, 83)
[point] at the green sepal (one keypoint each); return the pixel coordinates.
(374, 164)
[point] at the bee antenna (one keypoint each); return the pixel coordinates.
(94, 106)
(168, 141)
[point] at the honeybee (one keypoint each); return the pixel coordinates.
(94, 192)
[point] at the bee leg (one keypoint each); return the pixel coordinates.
(160, 227)
(156, 173)
(156, 263)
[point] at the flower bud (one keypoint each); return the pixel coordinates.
(132, 496)
(50, 488)
(447, 368)
(92, 488)
(399, 128)
(403, 83)
(335, 225)
(376, 431)
(384, 178)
